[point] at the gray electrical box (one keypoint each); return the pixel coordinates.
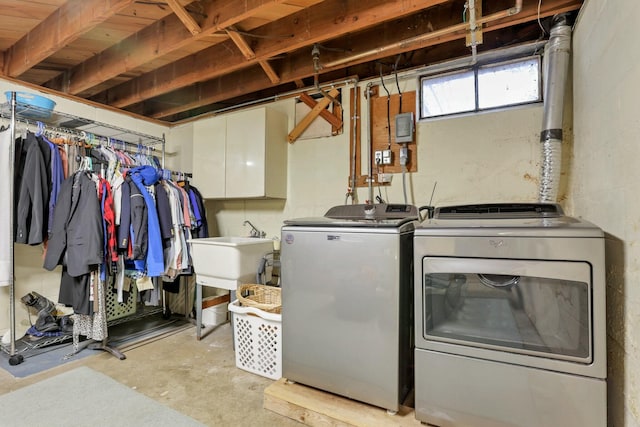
(404, 128)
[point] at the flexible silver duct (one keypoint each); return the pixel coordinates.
(557, 55)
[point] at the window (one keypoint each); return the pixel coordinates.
(481, 88)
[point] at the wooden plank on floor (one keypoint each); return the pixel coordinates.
(314, 407)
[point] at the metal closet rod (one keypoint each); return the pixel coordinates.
(5, 111)
(83, 133)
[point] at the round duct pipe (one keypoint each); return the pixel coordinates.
(557, 56)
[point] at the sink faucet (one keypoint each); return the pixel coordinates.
(254, 231)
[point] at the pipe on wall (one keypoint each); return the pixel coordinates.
(557, 56)
(403, 44)
(367, 94)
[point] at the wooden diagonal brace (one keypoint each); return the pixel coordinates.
(311, 115)
(325, 114)
(185, 17)
(248, 53)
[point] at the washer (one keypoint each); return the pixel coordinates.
(347, 297)
(510, 318)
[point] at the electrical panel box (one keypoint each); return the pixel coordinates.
(404, 128)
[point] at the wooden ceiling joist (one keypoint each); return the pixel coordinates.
(159, 39)
(66, 24)
(313, 25)
(176, 59)
(298, 66)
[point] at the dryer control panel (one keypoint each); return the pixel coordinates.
(379, 211)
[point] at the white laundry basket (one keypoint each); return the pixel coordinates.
(258, 340)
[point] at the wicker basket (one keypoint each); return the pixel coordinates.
(262, 297)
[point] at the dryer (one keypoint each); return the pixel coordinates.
(510, 318)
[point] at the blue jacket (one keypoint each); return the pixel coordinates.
(154, 264)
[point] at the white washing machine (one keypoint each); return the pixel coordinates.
(510, 318)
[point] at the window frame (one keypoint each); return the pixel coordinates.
(475, 70)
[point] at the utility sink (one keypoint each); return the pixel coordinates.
(226, 262)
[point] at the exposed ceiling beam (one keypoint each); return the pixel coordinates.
(248, 53)
(405, 36)
(63, 26)
(270, 72)
(185, 17)
(299, 66)
(327, 20)
(241, 42)
(161, 38)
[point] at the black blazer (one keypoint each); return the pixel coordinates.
(33, 195)
(76, 238)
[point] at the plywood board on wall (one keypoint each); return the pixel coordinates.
(382, 123)
(380, 135)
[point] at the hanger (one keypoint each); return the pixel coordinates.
(41, 129)
(87, 164)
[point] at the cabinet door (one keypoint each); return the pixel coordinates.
(209, 137)
(276, 147)
(245, 155)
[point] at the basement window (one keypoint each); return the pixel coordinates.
(483, 87)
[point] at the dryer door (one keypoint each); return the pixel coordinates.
(521, 307)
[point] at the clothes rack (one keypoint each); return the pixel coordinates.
(70, 125)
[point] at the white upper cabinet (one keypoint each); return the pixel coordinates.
(209, 136)
(241, 155)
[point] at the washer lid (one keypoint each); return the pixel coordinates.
(373, 216)
(499, 211)
(526, 220)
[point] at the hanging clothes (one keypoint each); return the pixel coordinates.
(202, 229)
(143, 177)
(164, 212)
(33, 200)
(139, 218)
(116, 183)
(92, 326)
(175, 253)
(76, 240)
(6, 234)
(124, 225)
(57, 176)
(132, 225)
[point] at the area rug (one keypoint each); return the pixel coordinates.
(84, 396)
(41, 359)
(123, 336)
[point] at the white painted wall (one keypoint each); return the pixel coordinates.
(478, 158)
(603, 182)
(179, 148)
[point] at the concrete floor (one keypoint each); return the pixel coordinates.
(197, 378)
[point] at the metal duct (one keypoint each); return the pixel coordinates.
(557, 52)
